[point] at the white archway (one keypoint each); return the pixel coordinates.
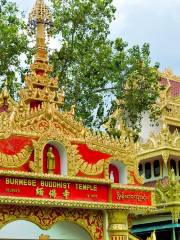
(22, 229)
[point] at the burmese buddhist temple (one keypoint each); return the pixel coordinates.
(60, 180)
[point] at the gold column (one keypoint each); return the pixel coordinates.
(41, 54)
(118, 225)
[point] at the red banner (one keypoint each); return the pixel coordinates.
(132, 197)
(52, 189)
(72, 190)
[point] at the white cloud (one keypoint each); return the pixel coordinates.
(139, 21)
(153, 21)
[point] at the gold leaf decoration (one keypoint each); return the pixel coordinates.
(15, 161)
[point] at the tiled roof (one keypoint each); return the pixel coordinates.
(175, 86)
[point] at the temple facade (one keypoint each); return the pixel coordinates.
(60, 180)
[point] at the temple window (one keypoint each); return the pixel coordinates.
(140, 169)
(156, 167)
(179, 167)
(148, 170)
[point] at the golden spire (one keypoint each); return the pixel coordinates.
(40, 22)
(40, 87)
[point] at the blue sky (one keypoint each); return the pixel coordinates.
(137, 21)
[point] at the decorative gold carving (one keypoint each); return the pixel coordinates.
(53, 177)
(40, 18)
(45, 218)
(91, 169)
(43, 95)
(175, 212)
(118, 217)
(75, 204)
(34, 122)
(6, 101)
(73, 158)
(168, 191)
(163, 143)
(15, 161)
(170, 104)
(118, 224)
(119, 149)
(6, 125)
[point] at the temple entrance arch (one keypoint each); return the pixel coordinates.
(23, 229)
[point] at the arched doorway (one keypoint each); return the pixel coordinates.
(22, 229)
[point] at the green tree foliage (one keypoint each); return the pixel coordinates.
(135, 85)
(94, 70)
(13, 43)
(84, 59)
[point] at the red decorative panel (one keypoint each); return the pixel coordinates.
(14, 144)
(91, 156)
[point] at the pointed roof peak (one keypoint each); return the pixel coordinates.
(40, 12)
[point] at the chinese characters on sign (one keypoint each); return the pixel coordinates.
(53, 189)
(74, 191)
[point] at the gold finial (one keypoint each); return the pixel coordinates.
(40, 23)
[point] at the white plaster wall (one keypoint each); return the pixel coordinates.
(26, 230)
(147, 128)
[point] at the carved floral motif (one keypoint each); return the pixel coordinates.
(163, 143)
(17, 160)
